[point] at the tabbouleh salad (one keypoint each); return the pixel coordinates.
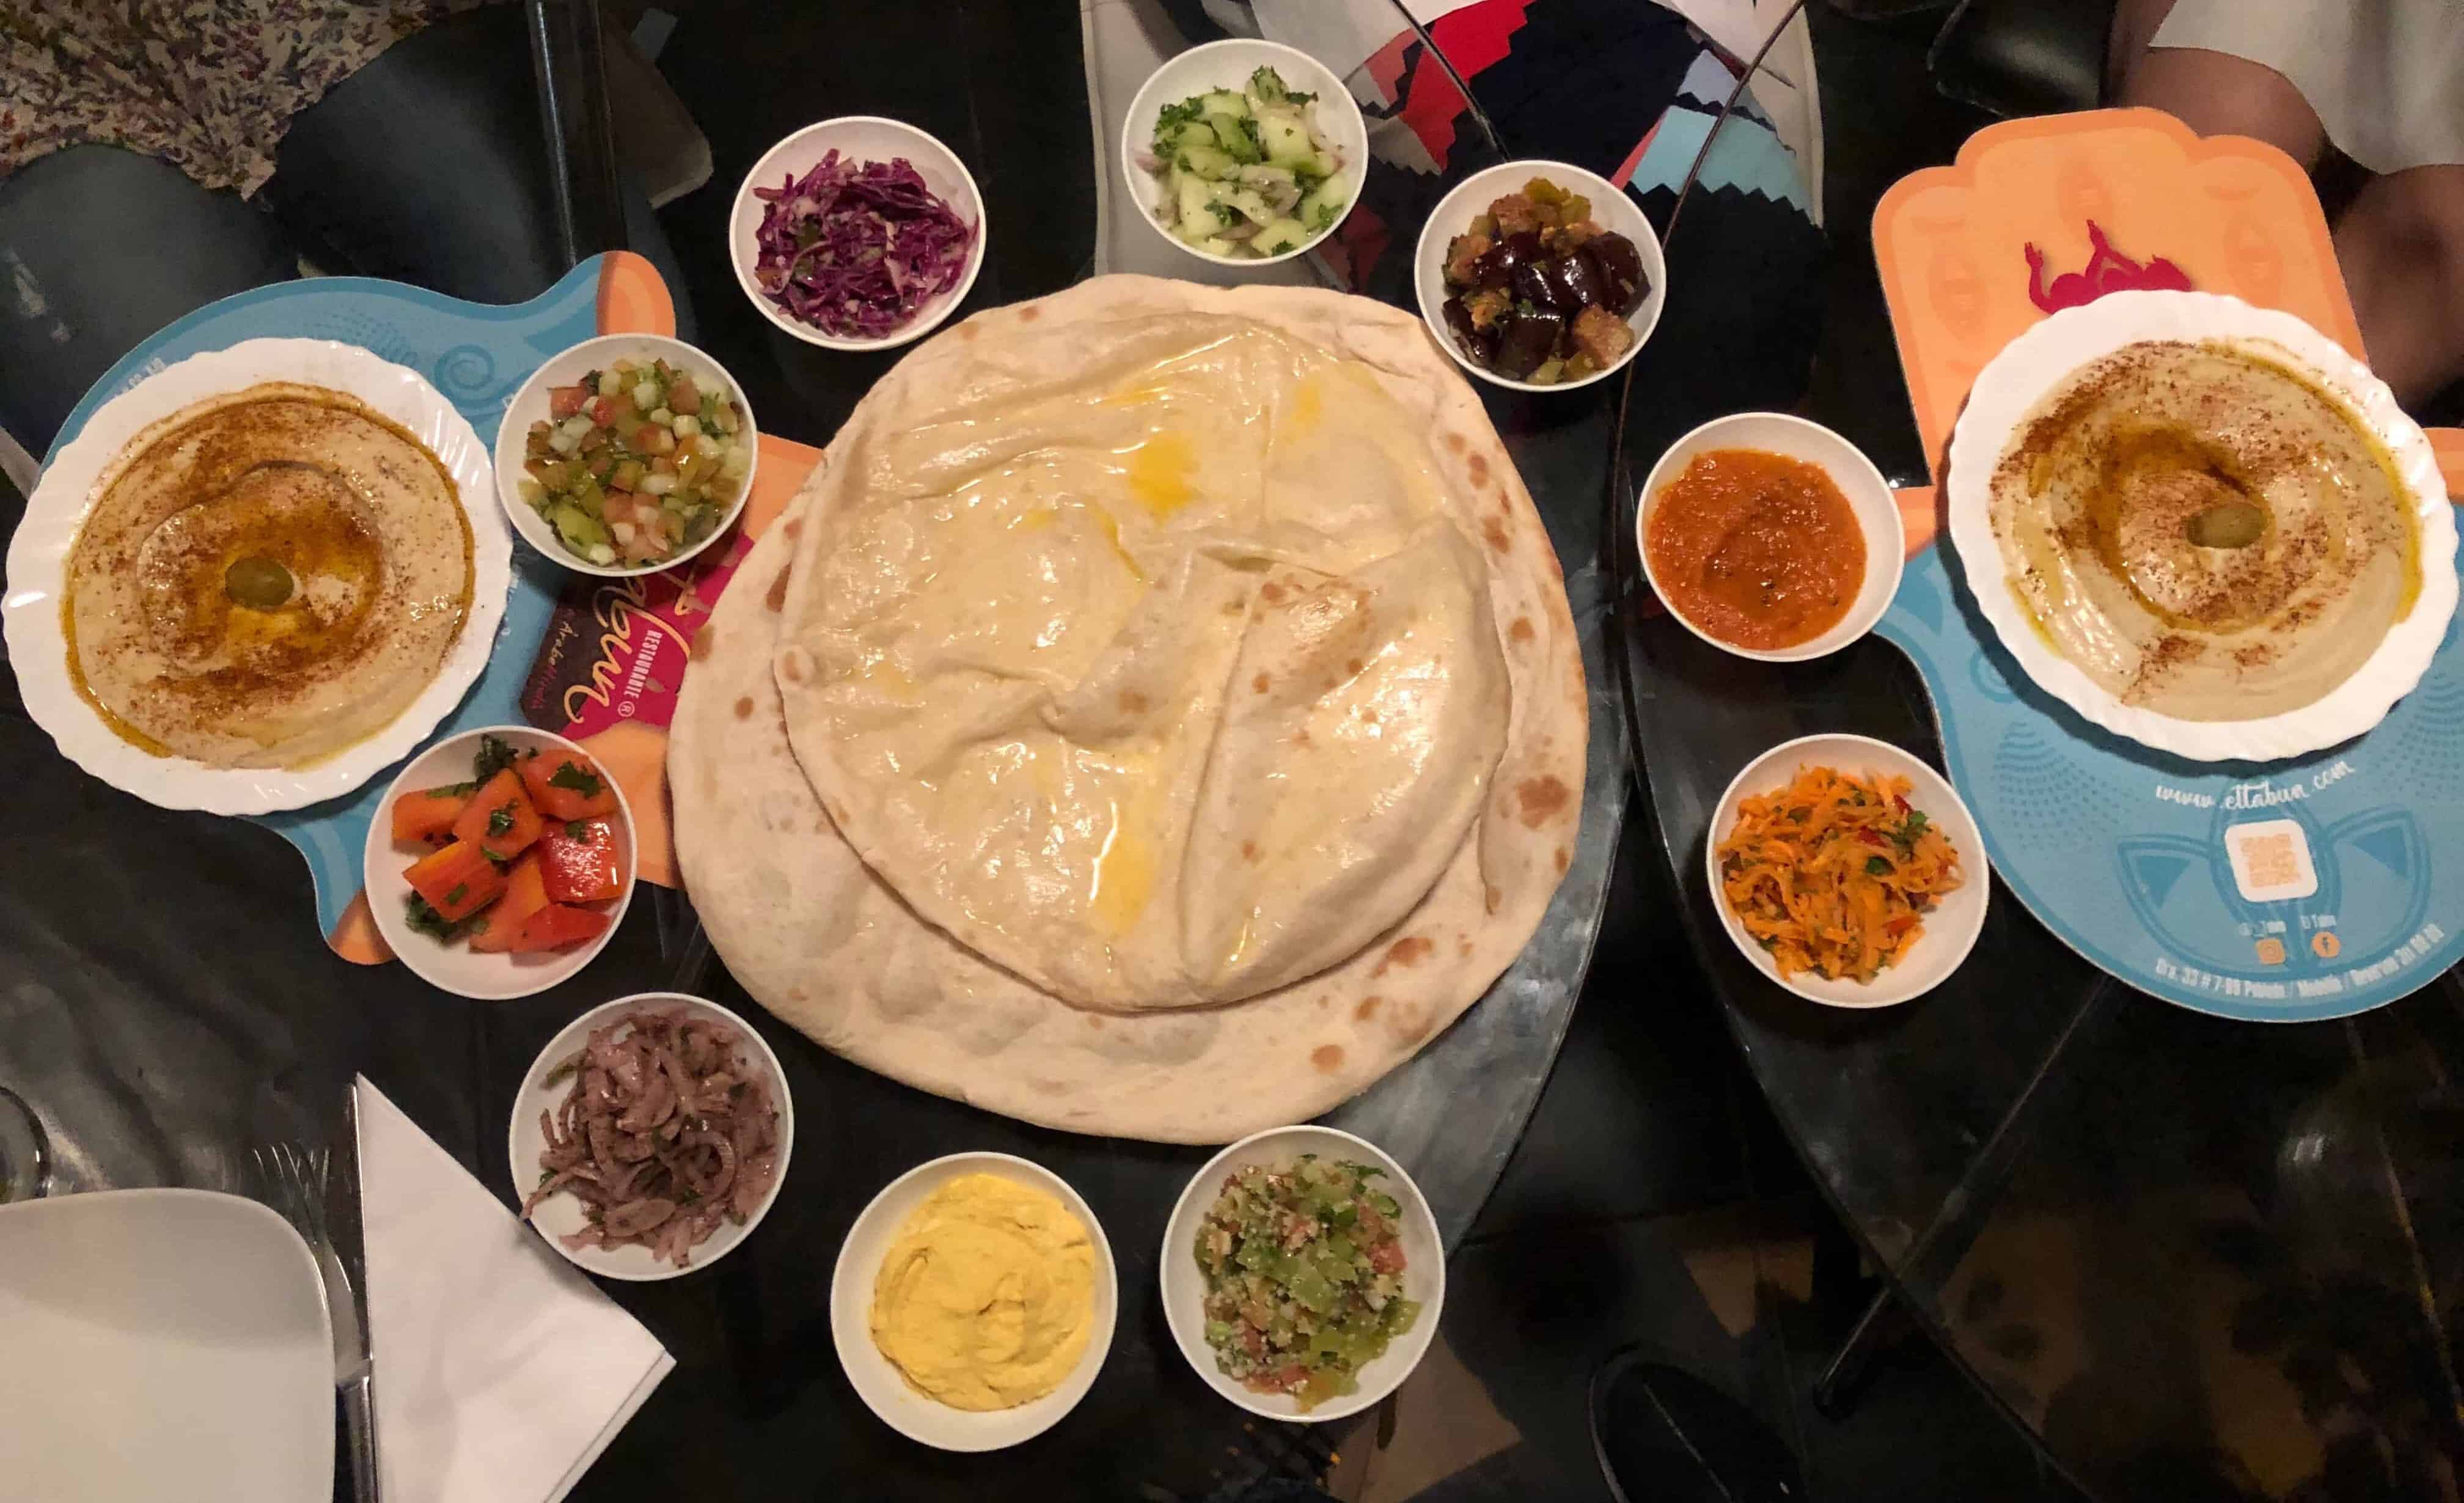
(1304, 1277)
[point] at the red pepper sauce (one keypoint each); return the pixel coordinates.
(1756, 549)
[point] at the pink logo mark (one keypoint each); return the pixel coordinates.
(2107, 269)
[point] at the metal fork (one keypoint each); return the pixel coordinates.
(299, 1179)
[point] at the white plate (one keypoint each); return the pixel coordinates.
(1950, 929)
(867, 138)
(1227, 64)
(1611, 205)
(2041, 359)
(887, 1394)
(1868, 495)
(38, 563)
(529, 405)
(162, 1344)
(1184, 1286)
(486, 975)
(561, 1215)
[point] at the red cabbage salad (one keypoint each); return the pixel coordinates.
(855, 248)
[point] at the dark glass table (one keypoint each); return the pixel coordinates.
(2193, 1258)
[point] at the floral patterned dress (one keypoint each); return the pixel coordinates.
(207, 85)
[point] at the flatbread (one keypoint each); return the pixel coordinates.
(1096, 615)
(815, 936)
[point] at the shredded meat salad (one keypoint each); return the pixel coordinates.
(665, 1134)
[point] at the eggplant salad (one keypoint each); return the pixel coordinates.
(1538, 292)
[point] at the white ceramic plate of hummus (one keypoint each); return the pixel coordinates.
(88, 466)
(880, 1231)
(2045, 357)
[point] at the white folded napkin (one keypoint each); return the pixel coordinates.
(501, 1371)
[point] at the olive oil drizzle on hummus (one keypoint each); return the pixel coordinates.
(307, 516)
(2231, 504)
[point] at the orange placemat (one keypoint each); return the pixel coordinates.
(1954, 244)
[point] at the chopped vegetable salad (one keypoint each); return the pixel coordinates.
(636, 462)
(1304, 1272)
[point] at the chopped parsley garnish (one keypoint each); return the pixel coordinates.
(428, 920)
(1877, 866)
(577, 830)
(501, 821)
(570, 776)
(495, 755)
(461, 891)
(1176, 115)
(1906, 836)
(1323, 216)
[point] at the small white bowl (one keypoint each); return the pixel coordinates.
(1612, 207)
(1184, 1286)
(1869, 496)
(456, 967)
(529, 404)
(867, 138)
(1227, 64)
(889, 1394)
(1950, 929)
(561, 1215)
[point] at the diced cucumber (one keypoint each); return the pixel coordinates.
(1233, 136)
(1208, 160)
(1224, 101)
(1323, 205)
(1217, 244)
(580, 531)
(1280, 235)
(1286, 138)
(1268, 179)
(1196, 207)
(1190, 133)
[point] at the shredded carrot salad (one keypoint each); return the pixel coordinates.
(1832, 873)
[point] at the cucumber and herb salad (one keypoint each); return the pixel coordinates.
(636, 462)
(1246, 172)
(1304, 1276)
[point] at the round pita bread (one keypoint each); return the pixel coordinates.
(816, 936)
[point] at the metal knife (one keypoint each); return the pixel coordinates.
(347, 1283)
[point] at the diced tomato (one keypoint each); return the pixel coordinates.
(582, 793)
(601, 410)
(556, 926)
(1900, 925)
(1387, 1257)
(525, 894)
(500, 817)
(1287, 1379)
(564, 402)
(428, 814)
(645, 438)
(1871, 839)
(456, 881)
(579, 861)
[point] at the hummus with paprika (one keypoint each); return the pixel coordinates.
(2205, 531)
(266, 578)
(987, 1296)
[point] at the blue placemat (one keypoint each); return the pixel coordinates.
(2281, 891)
(472, 353)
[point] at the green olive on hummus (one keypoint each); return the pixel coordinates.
(2204, 531)
(266, 578)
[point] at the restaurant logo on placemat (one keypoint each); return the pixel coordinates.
(616, 649)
